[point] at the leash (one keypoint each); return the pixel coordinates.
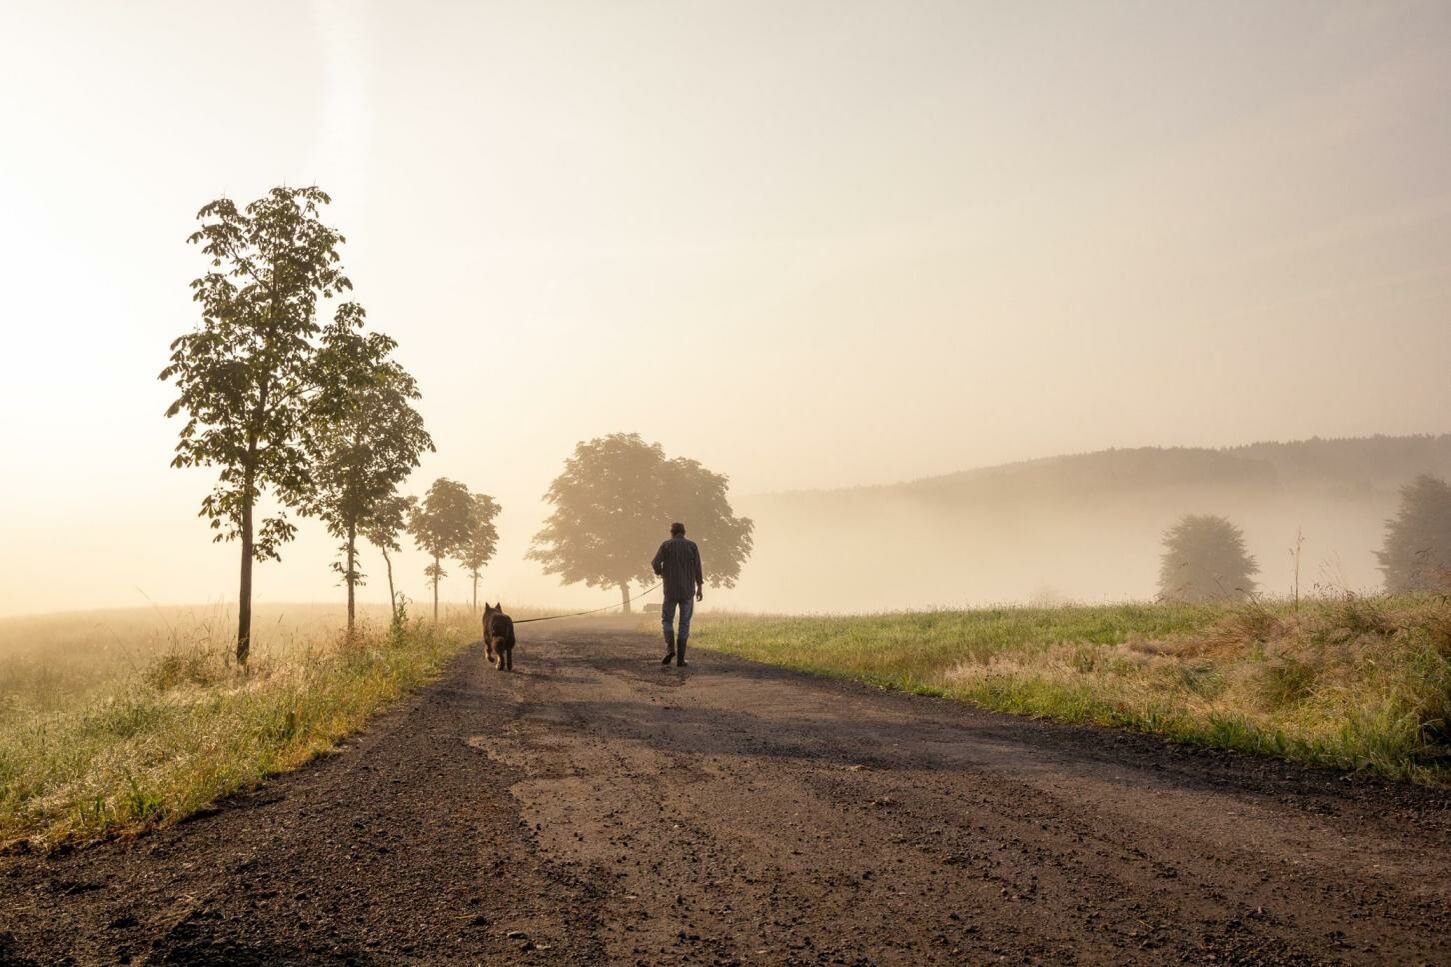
(576, 614)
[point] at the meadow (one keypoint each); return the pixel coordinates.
(1357, 683)
(114, 721)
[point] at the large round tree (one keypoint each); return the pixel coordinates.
(1205, 560)
(614, 503)
(1417, 551)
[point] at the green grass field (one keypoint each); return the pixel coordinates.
(111, 722)
(1356, 683)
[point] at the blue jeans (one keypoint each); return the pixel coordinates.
(667, 617)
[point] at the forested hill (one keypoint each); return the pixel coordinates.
(1332, 466)
(1084, 526)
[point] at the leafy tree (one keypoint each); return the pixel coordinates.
(482, 540)
(1417, 551)
(440, 526)
(364, 436)
(244, 375)
(1205, 560)
(389, 516)
(612, 505)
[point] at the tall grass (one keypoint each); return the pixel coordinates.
(115, 721)
(1347, 681)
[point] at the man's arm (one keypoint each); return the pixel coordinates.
(659, 563)
(699, 575)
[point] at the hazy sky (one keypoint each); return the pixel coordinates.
(883, 240)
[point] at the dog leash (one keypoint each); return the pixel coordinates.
(576, 614)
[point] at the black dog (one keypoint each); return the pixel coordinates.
(498, 637)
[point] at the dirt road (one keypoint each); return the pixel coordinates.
(593, 807)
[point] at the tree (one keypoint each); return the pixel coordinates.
(364, 435)
(390, 515)
(244, 374)
(482, 540)
(612, 505)
(1205, 560)
(440, 525)
(1417, 550)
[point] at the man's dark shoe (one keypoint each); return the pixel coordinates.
(666, 660)
(680, 661)
(669, 647)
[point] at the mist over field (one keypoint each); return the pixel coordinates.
(815, 248)
(1083, 528)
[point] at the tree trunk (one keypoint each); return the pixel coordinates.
(476, 591)
(436, 566)
(392, 598)
(351, 576)
(244, 595)
(625, 596)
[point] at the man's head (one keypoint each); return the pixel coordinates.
(677, 529)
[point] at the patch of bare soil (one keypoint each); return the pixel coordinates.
(593, 807)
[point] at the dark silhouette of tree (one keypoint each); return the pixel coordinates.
(389, 517)
(614, 503)
(364, 437)
(483, 538)
(1205, 560)
(245, 374)
(440, 525)
(1417, 551)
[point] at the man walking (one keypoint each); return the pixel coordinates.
(677, 564)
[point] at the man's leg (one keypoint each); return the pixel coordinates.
(687, 608)
(667, 622)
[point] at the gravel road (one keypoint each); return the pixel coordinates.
(593, 807)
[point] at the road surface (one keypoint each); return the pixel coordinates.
(593, 807)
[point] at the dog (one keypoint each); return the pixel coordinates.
(498, 637)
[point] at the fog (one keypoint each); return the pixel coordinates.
(817, 247)
(897, 553)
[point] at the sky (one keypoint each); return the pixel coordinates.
(811, 245)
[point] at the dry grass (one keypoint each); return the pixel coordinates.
(115, 721)
(1353, 682)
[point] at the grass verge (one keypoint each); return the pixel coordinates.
(1352, 682)
(99, 737)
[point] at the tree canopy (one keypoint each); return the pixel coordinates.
(440, 525)
(1416, 555)
(245, 374)
(614, 503)
(483, 538)
(364, 436)
(1205, 560)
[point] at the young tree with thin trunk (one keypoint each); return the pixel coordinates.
(440, 525)
(389, 518)
(483, 539)
(614, 502)
(245, 375)
(364, 436)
